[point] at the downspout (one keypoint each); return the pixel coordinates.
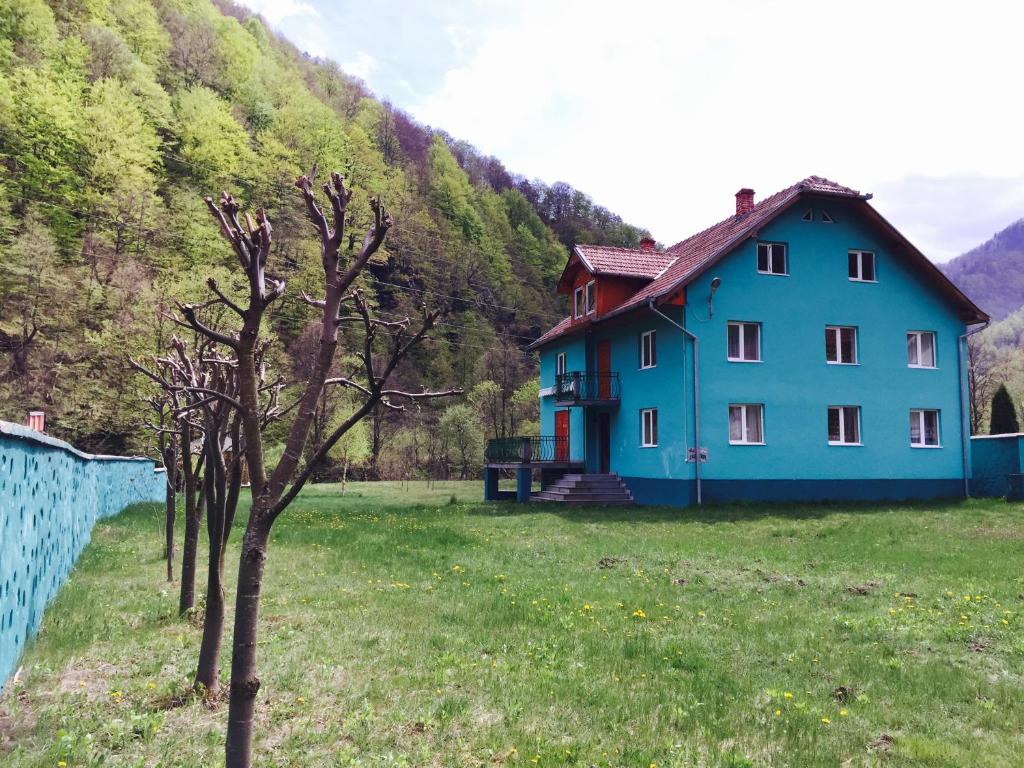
(696, 392)
(965, 436)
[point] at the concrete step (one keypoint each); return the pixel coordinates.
(560, 491)
(616, 501)
(588, 481)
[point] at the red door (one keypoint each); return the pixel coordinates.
(562, 436)
(604, 369)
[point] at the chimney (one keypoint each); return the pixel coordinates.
(36, 421)
(647, 244)
(744, 201)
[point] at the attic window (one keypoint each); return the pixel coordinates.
(825, 217)
(591, 297)
(577, 300)
(808, 215)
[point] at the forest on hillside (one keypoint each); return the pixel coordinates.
(118, 117)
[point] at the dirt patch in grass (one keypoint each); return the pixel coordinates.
(88, 680)
(883, 743)
(608, 562)
(867, 588)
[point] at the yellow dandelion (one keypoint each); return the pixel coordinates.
(778, 712)
(825, 720)
(639, 614)
(843, 713)
(787, 695)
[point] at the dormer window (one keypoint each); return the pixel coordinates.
(577, 302)
(591, 296)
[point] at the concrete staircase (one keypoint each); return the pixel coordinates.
(586, 489)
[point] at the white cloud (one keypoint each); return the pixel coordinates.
(662, 111)
(361, 66)
(276, 11)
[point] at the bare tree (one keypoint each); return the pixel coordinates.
(383, 346)
(981, 380)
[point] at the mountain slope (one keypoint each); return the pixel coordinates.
(117, 117)
(993, 273)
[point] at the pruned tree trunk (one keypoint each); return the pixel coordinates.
(208, 670)
(193, 514)
(170, 504)
(273, 491)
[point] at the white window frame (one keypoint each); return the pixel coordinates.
(918, 347)
(918, 414)
(837, 330)
(741, 325)
(560, 364)
(745, 413)
(826, 217)
(842, 426)
(648, 350)
(860, 266)
(648, 416)
(808, 215)
(577, 302)
(771, 258)
(590, 297)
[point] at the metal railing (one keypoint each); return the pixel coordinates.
(527, 450)
(577, 386)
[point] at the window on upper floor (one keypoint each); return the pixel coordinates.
(921, 349)
(844, 425)
(577, 302)
(744, 342)
(591, 297)
(648, 349)
(771, 259)
(746, 424)
(648, 427)
(924, 428)
(862, 266)
(560, 364)
(808, 215)
(826, 218)
(840, 345)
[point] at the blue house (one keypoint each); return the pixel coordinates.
(801, 349)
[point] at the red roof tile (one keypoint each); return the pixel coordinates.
(700, 249)
(687, 258)
(563, 326)
(624, 262)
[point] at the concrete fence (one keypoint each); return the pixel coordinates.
(997, 464)
(51, 495)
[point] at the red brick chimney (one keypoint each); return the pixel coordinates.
(647, 244)
(36, 421)
(744, 201)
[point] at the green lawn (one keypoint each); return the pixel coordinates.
(407, 626)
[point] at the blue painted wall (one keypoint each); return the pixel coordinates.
(50, 497)
(575, 350)
(793, 381)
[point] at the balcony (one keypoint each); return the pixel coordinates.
(545, 450)
(579, 388)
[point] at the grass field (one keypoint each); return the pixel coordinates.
(421, 627)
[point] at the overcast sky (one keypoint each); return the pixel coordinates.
(660, 111)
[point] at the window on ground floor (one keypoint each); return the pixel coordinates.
(649, 427)
(746, 424)
(924, 428)
(844, 425)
